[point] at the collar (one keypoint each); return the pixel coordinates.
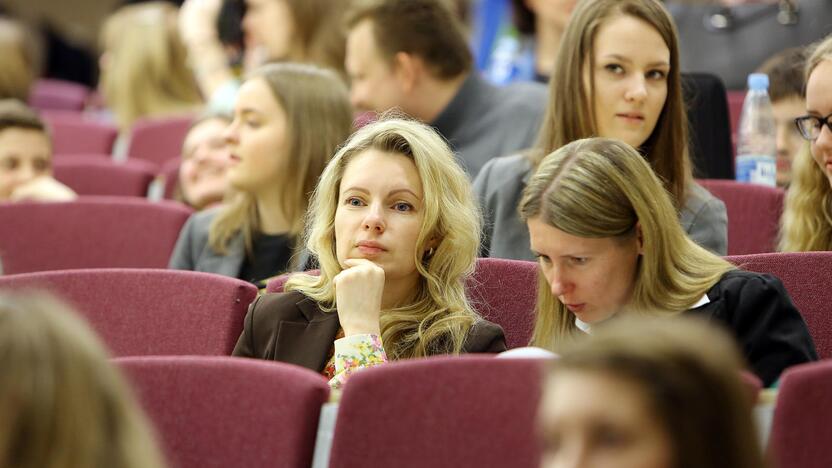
(583, 326)
(702, 301)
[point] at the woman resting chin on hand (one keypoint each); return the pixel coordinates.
(395, 228)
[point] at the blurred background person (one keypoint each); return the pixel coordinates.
(26, 157)
(62, 402)
(17, 63)
(647, 394)
(203, 180)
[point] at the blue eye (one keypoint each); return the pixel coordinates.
(402, 206)
(354, 201)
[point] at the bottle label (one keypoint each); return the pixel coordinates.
(757, 169)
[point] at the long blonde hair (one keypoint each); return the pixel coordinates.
(146, 72)
(570, 113)
(438, 319)
(16, 61)
(806, 223)
(602, 188)
(62, 403)
(319, 119)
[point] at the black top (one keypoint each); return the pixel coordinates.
(270, 257)
(769, 329)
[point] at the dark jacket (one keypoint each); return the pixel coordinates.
(290, 327)
(759, 312)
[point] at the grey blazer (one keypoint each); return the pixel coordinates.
(193, 253)
(499, 188)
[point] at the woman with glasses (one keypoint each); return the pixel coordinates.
(807, 220)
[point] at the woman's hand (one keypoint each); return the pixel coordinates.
(358, 292)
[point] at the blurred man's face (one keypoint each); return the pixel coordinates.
(374, 85)
(789, 140)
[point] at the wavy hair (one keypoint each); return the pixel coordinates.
(439, 317)
(806, 223)
(62, 402)
(319, 119)
(146, 72)
(570, 113)
(602, 188)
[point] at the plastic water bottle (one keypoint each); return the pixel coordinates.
(756, 143)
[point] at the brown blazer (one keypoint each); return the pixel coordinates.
(290, 327)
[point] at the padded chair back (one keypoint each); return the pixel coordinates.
(712, 152)
(736, 98)
(806, 276)
(170, 174)
(96, 175)
(227, 412)
(93, 232)
(800, 432)
(753, 214)
(73, 133)
(502, 291)
(139, 312)
(158, 140)
(55, 94)
(440, 412)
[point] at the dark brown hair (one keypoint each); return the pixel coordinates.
(785, 72)
(425, 28)
(15, 114)
(570, 115)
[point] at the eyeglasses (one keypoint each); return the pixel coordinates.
(811, 126)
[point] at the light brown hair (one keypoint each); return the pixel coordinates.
(319, 119)
(785, 72)
(602, 188)
(15, 114)
(693, 390)
(17, 67)
(570, 113)
(424, 28)
(62, 403)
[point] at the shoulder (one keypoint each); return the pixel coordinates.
(485, 337)
(742, 281)
(699, 199)
(503, 171)
(199, 223)
(281, 306)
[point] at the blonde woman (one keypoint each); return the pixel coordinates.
(608, 241)
(617, 75)
(662, 399)
(288, 121)
(395, 229)
(144, 72)
(807, 220)
(62, 402)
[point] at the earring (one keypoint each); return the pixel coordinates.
(429, 253)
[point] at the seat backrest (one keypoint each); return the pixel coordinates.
(801, 432)
(736, 99)
(502, 291)
(228, 412)
(91, 232)
(712, 152)
(140, 312)
(170, 174)
(53, 94)
(806, 276)
(74, 133)
(159, 139)
(753, 214)
(96, 175)
(440, 412)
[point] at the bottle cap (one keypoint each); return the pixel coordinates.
(758, 81)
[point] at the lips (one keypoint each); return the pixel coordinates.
(234, 158)
(575, 308)
(370, 248)
(632, 116)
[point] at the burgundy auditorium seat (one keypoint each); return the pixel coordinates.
(74, 133)
(806, 276)
(158, 140)
(140, 312)
(440, 412)
(753, 214)
(92, 232)
(96, 175)
(801, 432)
(170, 174)
(58, 95)
(229, 412)
(502, 291)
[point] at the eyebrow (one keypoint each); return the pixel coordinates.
(392, 192)
(659, 63)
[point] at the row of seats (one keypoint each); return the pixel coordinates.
(148, 311)
(438, 412)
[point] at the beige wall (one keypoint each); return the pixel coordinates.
(78, 20)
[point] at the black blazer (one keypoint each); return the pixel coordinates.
(759, 312)
(290, 327)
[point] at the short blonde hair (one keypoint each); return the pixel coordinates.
(602, 188)
(806, 223)
(62, 402)
(440, 316)
(146, 72)
(319, 119)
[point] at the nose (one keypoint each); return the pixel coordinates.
(824, 140)
(374, 220)
(636, 88)
(558, 283)
(355, 98)
(230, 134)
